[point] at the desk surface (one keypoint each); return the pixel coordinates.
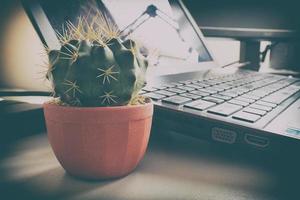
(173, 168)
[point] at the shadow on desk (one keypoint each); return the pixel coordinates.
(174, 167)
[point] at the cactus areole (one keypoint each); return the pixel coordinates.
(87, 73)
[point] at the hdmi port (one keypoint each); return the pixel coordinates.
(257, 140)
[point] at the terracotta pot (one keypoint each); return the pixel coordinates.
(99, 142)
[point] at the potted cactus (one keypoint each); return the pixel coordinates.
(98, 125)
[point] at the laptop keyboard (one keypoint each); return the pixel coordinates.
(242, 97)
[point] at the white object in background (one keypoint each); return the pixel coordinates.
(29, 99)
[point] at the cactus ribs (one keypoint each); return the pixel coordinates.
(94, 67)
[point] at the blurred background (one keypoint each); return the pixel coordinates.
(23, 64)
(22, 61)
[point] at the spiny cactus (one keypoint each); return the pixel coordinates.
(94, 67)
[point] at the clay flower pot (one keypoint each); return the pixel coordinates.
(99, 142)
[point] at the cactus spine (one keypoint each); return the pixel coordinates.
(94, 67)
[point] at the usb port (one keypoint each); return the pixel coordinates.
(257, 140)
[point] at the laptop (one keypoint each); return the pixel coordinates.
(192, 94)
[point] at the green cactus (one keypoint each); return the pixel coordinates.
(95, 69)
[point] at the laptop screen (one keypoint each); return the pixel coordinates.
(160, 27)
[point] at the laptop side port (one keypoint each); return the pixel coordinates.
(255, 140)
(223, 135)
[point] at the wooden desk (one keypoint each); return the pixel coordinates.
(173, 168)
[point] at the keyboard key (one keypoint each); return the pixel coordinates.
(219, 96)
(261, 107)
(211, 82)
(245, 99)
(207, 90)
(214, 100)
(247, 117)
(166, 93)
(217, 88)
(225, 109)
(149, 89)
(197, 92)
(177, 84)
(186, 88)
(194, 86)
(186, 82)
(175, 90)
(225, 87)
(201, 85)
(155, 96)
(237, 91)
(168, 85)
(229, 93)
(257, 93)
(250, 97)
(255, 111)
(177, 100)
(191, 96)
(200, 105)
(248, 87)
(264, 103)
(240, 91)
(237, 102)
(160, 87)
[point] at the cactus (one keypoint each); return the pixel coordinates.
(94, 67)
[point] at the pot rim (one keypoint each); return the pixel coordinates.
(63, 114)
(125, 107)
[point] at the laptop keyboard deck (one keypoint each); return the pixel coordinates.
(243, 97)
